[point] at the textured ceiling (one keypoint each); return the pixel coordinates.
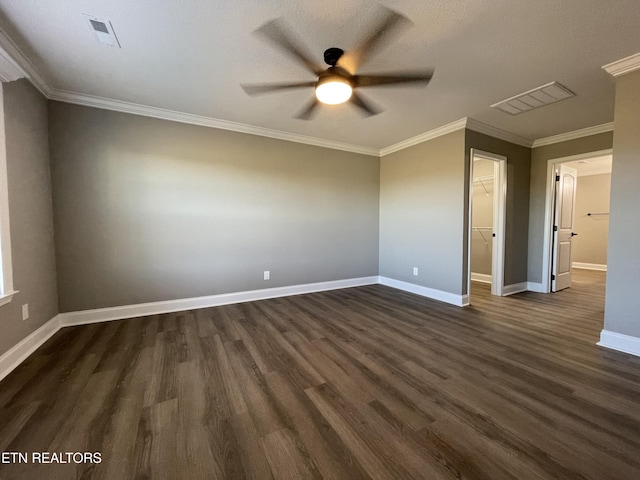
(191, 56)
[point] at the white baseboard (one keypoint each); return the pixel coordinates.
(515, 288)
(155, 308)
(589, 266)
(452, 298)
(620, 342)
(480, 277)
(535, 287)
(17, 354)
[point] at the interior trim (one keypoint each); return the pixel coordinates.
(590, 266)
(172, 115)
(84, 317)
(25, 68)
(583, 132)
(423, 137)
(22, 62)
(536, 287)
(9, 69)
(624, 65)
(468, 123)
(499, 207)
(620, 342)
(548, 211)
(19, 352)
(481, 277)
(6, 297)
(6, 264)
(465, 300)
(514, 288)
(495, 132)
(432, 293)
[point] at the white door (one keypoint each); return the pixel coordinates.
(566, 178)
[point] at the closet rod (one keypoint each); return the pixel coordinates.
(481, 180)
(480, 230)
(594, 214)
(486, 177)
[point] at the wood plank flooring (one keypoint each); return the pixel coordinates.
(361, 383)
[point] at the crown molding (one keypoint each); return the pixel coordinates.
(468, 123)
(625, 65)
(14, 65)
(161, 113)
(583, 132)
(495, 132)
(423, 137)
(19, 66)
(14, 57)
(9, 69)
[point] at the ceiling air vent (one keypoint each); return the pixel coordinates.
(538, 97)
(103, 30)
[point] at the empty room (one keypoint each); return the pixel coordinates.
(336, 240)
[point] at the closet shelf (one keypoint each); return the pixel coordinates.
(480, 230)
(484, 178)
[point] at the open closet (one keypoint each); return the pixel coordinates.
(487, 220)
(482, 220)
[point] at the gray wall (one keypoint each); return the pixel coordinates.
(31, 216)
(622, 302)
(149, 210)
(517, 211)
(592, 196)
(422, 208)
(539, 159)
(482, 216)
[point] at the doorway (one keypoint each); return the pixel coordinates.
(576, 217)
(487, 205)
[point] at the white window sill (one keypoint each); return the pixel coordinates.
(6, 298)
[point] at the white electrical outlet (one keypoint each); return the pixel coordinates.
(415, 271)
(25, 311)
(267, 274)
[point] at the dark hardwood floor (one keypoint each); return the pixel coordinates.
(366, 382)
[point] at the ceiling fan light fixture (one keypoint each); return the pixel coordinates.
(333, 90)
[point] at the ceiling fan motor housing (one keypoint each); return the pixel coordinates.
(332, 55)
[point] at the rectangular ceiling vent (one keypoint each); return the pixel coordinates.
(103, 30)
(538, 97)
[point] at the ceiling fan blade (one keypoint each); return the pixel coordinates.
(392, 23)
(309, 110)
(366, 107)
(421, 78)
(261, 88)
(275, 31)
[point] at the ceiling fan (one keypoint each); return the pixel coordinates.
(336, 84)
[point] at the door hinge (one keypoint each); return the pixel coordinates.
(553, 277)
(555, 228)
(557, 178)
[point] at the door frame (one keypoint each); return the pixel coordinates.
(549, 205)
(499, 219)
